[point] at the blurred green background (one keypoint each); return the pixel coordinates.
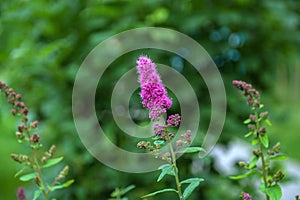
(44, 42)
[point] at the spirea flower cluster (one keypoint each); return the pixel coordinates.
(153, 92)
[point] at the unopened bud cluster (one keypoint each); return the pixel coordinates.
(20, 108)
(249, 92)
(48, 154)
(63, 173)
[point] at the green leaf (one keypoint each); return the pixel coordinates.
(278, 157)
(116, 192)
(36, 195)
(244, 175)
(27, 177)
(156, 142)
(127, 189)
(268, 122)
(189, 189)
(20, 172)
(159, 191)
(249, 134)
(262, 187)
(264, 140)
(274, 192)
(253, 162)
(191, 180)
(165, 169)
(52, 162)
(64, 185)
(192, 150)
(247, 121)
(261, 106)
(254, 141)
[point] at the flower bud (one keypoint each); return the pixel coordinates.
(11, 100)
(13, 112)
(15, 157)
(262, 130)
(252, 118)
(52, 149)
(251, 127)
(44, 159)
(276, 147)
(19, 135)
(18, 96)
(37, 180)
(278, 176)
(25, 111)
(269, 152)
(35, 138)
(21, 194)
(264, 115)
(141, 145)
(242, 164)
(179, 143)
(34, 124)
(257, 153)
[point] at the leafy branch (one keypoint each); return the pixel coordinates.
(34, 162)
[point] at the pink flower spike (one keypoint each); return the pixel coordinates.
(153, 92)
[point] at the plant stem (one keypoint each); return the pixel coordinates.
(263, 161)
(175, 171)
(39, 175)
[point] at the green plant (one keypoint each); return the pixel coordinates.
(36, 160)
(119, 192)
(263, 154)
(155, 98)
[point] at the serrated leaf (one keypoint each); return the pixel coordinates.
(247, 121)
(166, 169)
(190, 188)
(243, 175)
(274, 192)
(264, 140)
(52, 162)
(127, 189)
(64, 185)
(27, 177)
(192, 150)
(278, 157)
(37, 194)
(190, 180)
(159, 191)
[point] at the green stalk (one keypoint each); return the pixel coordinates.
(175, 171)
(39, 175)
(263, 161)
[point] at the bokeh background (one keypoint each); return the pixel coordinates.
(44, 42)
